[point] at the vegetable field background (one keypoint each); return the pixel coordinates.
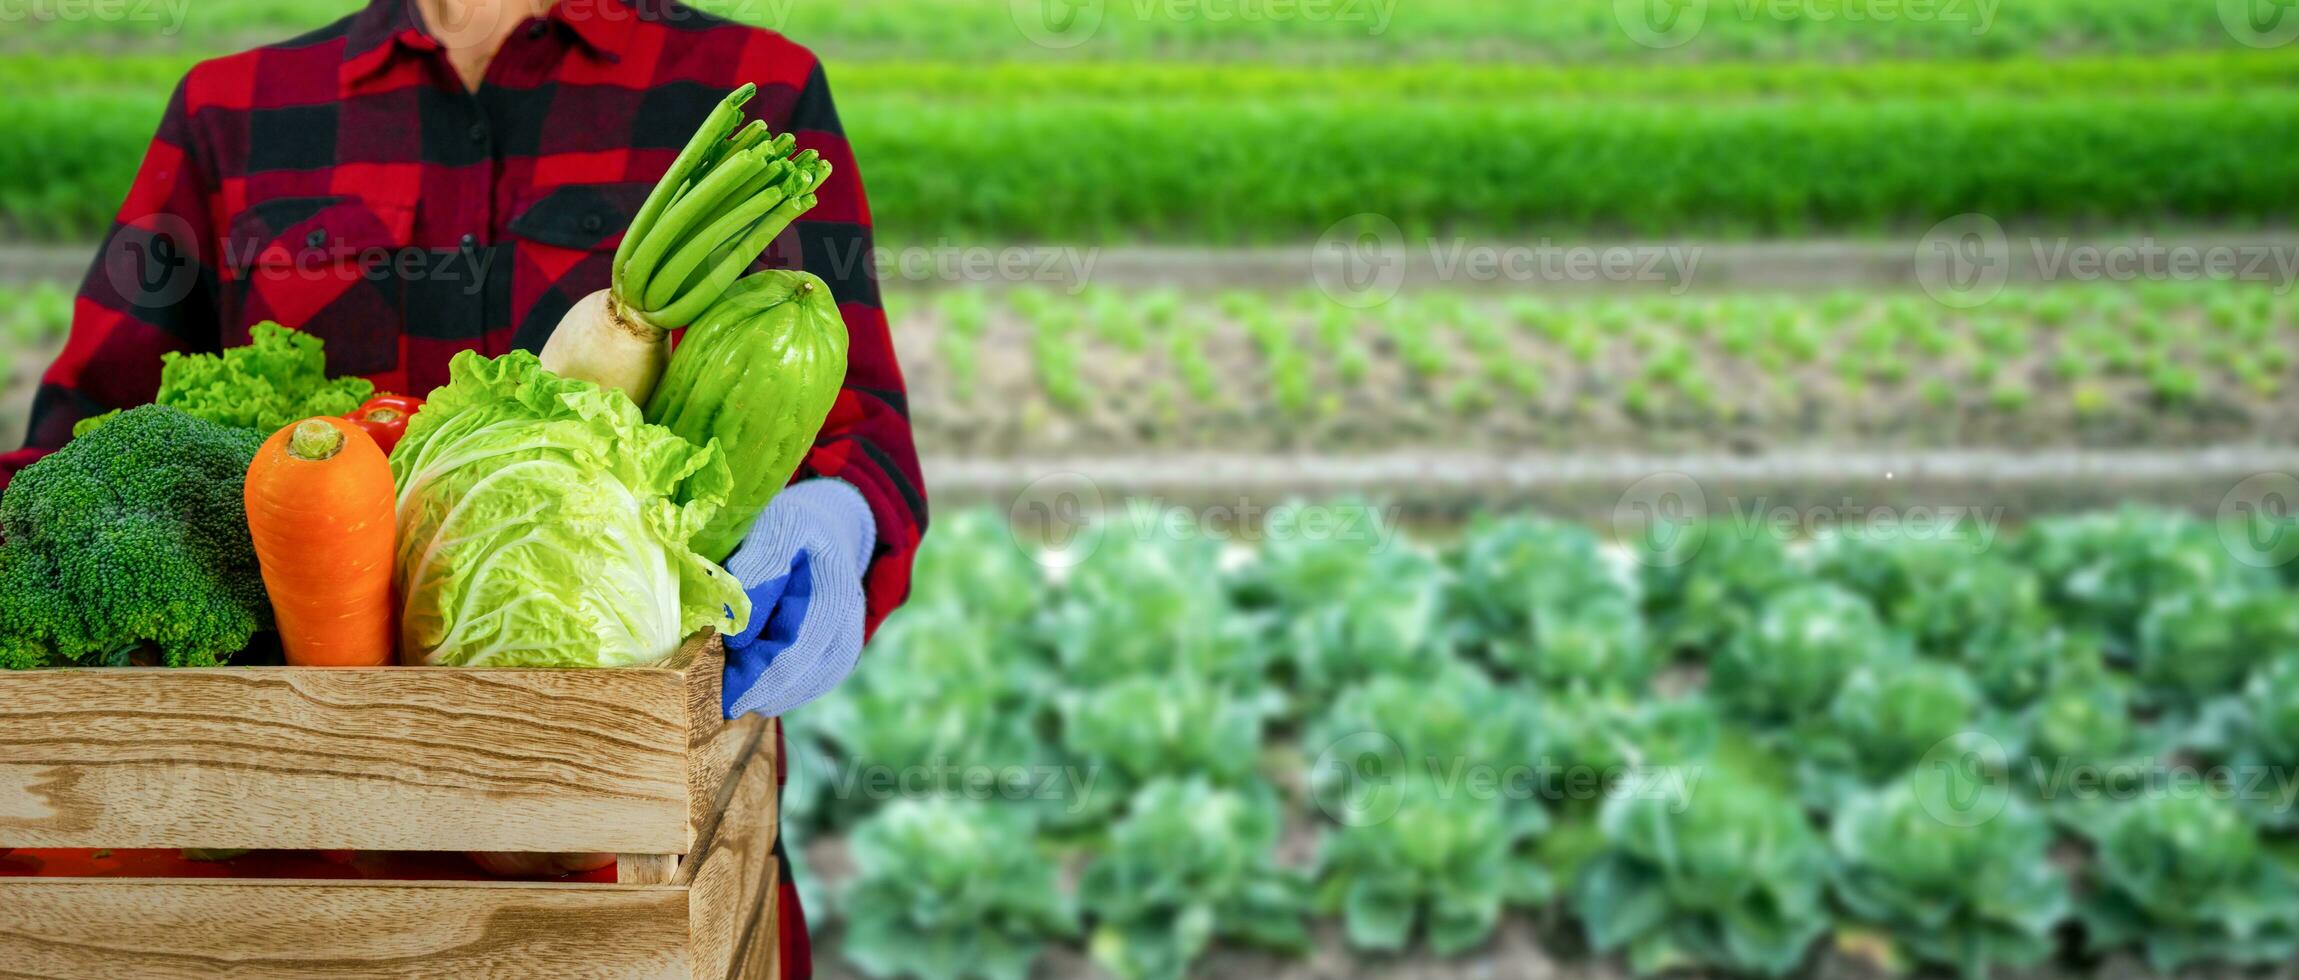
(1926, 594)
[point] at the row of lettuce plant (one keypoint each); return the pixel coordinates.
(1716, 747)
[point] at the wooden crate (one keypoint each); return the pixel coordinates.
(635, 762)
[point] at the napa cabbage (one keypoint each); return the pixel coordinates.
(540, 525)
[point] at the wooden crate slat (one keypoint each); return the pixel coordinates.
(376, 759)
(394, 759)
(732, 871)
(147, 928)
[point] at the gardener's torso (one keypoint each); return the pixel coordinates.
(366, 195)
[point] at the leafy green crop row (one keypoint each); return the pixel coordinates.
(2229, 71)
(1713, 747)
(1229, 171)
(2084, 352)
(2214, 71)
(34, 315)
(1355, 30)
(1263, 172)
(67, 161)
(33, 322)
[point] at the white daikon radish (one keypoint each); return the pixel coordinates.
(602, 342)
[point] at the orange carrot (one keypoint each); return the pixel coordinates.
(320, 507)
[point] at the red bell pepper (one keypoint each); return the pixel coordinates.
(385, 418)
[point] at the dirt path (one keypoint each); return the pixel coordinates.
(1593, 486)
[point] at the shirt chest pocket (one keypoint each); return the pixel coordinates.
(566, 237)
(335, 267)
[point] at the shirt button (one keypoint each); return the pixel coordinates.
(592, 222)
(317, 238)
(478, 132)
(470, 241)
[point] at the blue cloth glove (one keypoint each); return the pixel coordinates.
(802, 565)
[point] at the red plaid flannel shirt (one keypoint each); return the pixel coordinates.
(347, 184)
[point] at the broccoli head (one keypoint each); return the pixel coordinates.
(134, 534)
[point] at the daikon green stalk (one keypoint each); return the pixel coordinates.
(726, 197)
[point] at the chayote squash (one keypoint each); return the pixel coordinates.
(758, 372)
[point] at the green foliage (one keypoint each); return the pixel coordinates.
(1542, 599)
(1946, 592)
(1099, 174)
(1106, 169)
(2198, 646)
(941, 691)
(1447, 719)
(1196, 405)
(34, 317)
(69, 160)
(2103, 570)
(1952, 885)
(1420, 850)
(133, 535)
(1699, 820)
(1571, 31)
(972, 563)
(1805, 644)
(2084, 718)
(1706, 587)
(1617, 739)
(950, 888)
(2183, 876)
(1886, 717)
(1412, 767)
(2258, 737)
(2013, 661)
(1150, 726)
(279, 378)
(1146, 603)
(1725, 874)
(1340, 611)
(1191, 862)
